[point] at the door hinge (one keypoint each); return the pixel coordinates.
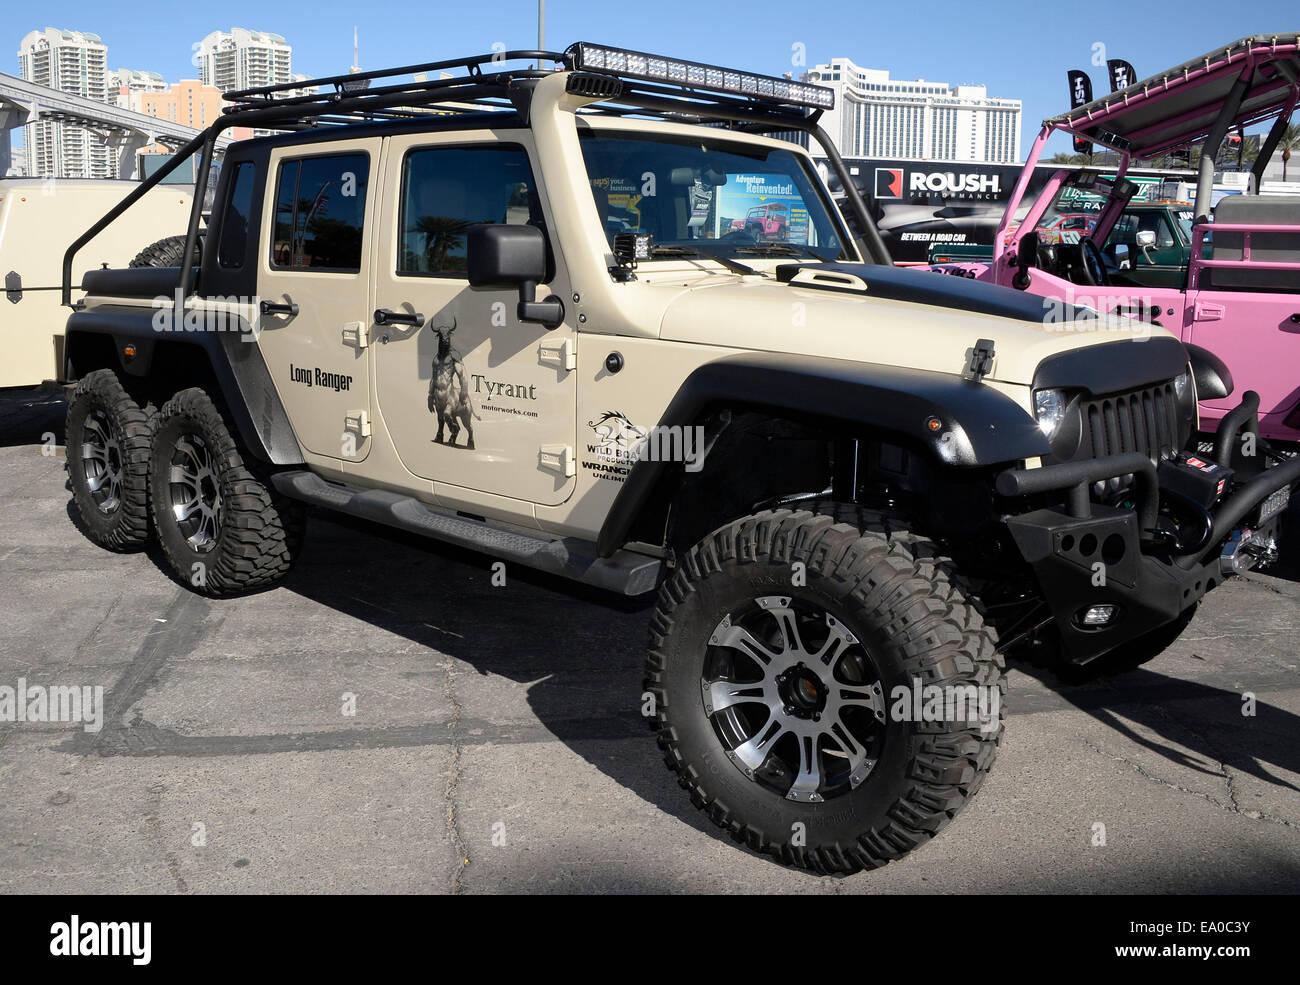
(356, 334)
(557, 352)
(557, 458)
(1208, 312)
(358, 422)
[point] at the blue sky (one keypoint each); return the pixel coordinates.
(1019, 50)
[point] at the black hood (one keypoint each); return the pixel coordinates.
(932, 287)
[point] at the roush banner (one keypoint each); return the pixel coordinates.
(1080, 95)
(1121, 74)
(919, 204)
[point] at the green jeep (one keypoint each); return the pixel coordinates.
(1158, 236)
(1159, 241)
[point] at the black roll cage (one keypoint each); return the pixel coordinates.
(352, 100)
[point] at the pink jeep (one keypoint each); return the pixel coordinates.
(1240, 296)
(767, 221)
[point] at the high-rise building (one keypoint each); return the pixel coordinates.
(244, 59)
(75, 62)
(876, 116)
(188, 102)
(129, 85)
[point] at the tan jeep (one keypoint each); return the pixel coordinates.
(511, 309)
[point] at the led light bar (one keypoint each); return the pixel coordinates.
(692, 75)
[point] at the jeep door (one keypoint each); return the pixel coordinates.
(1257, 333)
(472, 397)
(314, 273)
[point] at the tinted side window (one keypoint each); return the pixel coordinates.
(445, 190)
(319, 213)
(234, 224)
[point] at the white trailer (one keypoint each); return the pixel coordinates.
(39, 218)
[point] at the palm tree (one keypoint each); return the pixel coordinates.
(1290, 141)
(442, 235)
(1064, 158)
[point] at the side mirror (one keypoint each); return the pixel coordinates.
(1026, 259)
(1122, 260)
(513, 256)
(1146, 239)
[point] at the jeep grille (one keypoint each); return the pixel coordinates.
(1146, 420)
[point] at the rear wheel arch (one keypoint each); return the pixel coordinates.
(159, 369)
(223, 364)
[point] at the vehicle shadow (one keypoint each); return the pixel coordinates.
(579, 651)
(31, 416)
(1183, 716)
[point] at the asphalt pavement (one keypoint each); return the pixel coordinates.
(389, 721)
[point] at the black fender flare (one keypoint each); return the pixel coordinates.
(1213, 378)
(232, 355)
(962, 423)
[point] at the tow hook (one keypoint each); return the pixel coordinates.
(1246, 550)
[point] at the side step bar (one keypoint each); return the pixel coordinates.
(626, 572)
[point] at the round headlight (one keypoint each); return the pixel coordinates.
(1049, 410)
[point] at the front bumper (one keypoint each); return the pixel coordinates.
(1110, 574)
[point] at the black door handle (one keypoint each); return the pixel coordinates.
(1138, 311)
(277, 308)
(385, 317)
(1296, 318)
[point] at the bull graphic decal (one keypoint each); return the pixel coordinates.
(448, 390)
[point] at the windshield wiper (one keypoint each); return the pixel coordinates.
(782, 250)
(681, 251)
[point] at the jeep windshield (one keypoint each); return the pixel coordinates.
(709, 198)
(1083, 195)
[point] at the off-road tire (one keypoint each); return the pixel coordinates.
(896, 592)
(259, 532)
(100, 395)
(166, 252)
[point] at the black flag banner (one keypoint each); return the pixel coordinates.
(1121, 74)
(1080, 95)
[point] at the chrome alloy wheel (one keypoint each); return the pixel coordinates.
(195, 492)
(794, 698)
(101, 460)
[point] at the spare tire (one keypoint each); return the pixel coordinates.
(166, 253)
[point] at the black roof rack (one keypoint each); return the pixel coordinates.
(352, 97)
(636, 80)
